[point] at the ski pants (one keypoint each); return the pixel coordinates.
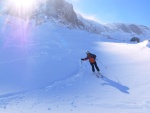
(94, 65)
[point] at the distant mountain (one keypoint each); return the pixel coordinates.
(62, 12)
(129, 28)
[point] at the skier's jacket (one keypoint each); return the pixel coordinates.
(91, 57)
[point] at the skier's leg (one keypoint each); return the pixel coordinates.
(92, 67)
(97, 68)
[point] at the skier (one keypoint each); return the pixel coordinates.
(91, 57)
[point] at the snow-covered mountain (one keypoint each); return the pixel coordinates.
(62, 12)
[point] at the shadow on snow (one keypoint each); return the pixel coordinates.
(117, 85)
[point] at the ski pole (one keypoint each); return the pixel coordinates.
(101, 63)
(81, 63)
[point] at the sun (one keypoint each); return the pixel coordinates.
(22, 8)
(25, 4)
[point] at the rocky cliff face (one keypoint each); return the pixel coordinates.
(59, 10)
(63, 11)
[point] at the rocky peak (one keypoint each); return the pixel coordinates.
(62, 10)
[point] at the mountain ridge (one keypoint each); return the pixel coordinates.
(63, 12)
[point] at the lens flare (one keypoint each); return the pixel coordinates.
(22, 8)
(18, 16)
(19, 13)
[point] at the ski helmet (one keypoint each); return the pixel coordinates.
(87, 52)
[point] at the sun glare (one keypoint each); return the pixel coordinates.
(22, 8)
(23, 3)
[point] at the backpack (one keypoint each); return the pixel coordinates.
(93, 56)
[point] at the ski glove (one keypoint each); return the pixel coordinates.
(82, 58)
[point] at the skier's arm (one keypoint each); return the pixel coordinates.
(84, 58)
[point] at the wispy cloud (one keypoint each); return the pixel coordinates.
(91, 17)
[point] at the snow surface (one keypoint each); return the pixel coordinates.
(41, 71)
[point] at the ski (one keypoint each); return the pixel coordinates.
(98, 75)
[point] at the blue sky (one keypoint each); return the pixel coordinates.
(109, 11)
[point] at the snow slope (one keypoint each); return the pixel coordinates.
(41, 71)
